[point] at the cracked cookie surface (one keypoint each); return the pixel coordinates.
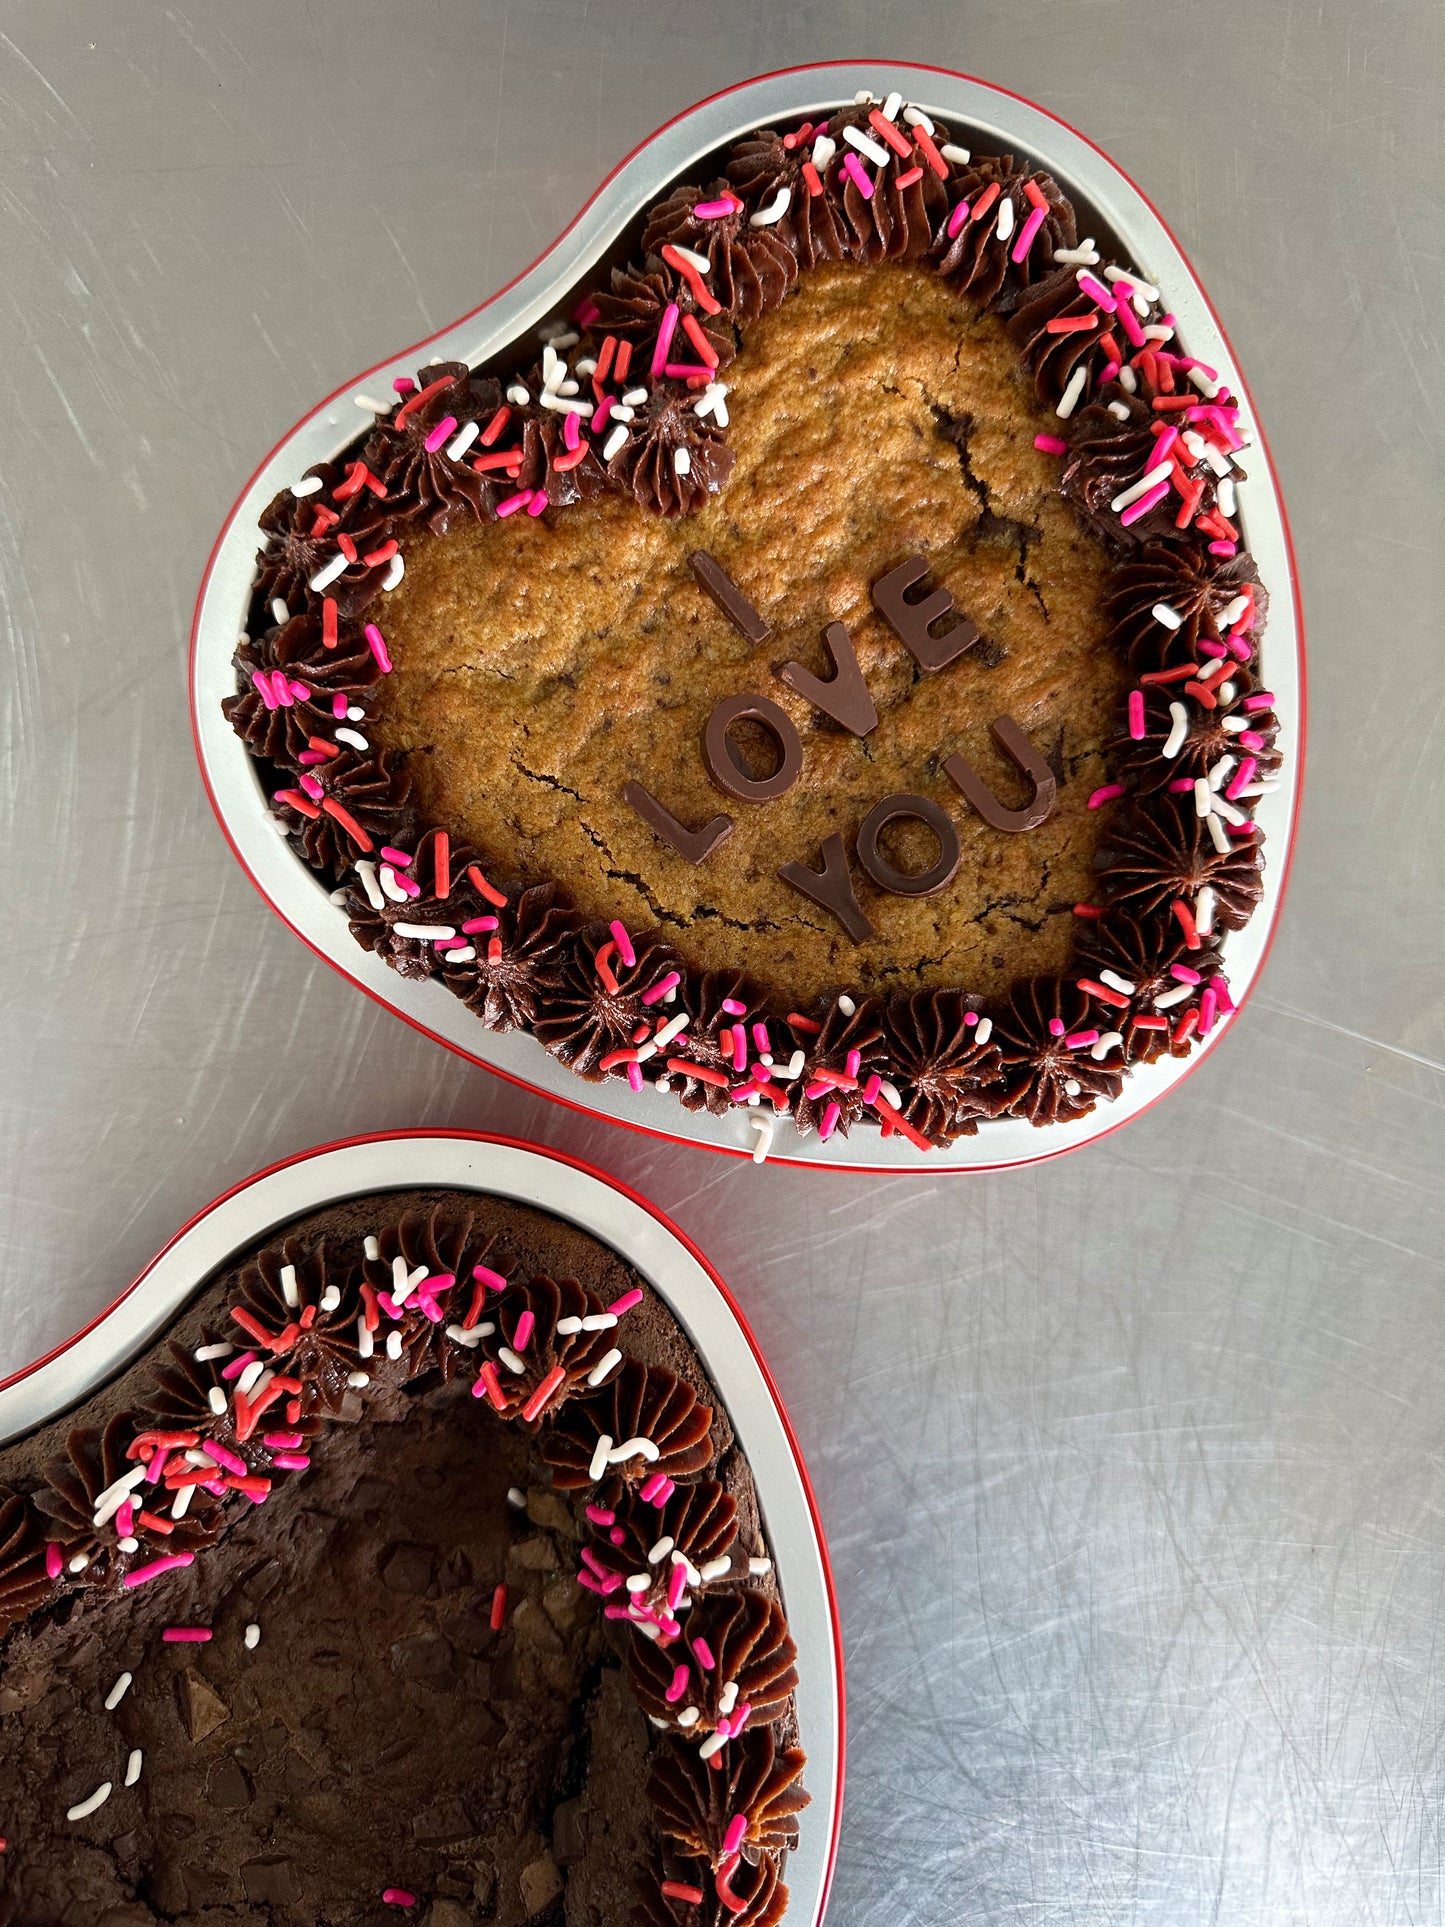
(875, 415)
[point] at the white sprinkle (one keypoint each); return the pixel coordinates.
(1072, 1086)
(355, 714)
(356, 1380)
(246, 1382)
(518, 394)
(1110, 1040)
(621, 413)
(762, 1127)
(133, 1766)
(1267, 788)
(1150, 479)
(463, 441)
(614, 441)
(631, 1448)
(470, 1336)
(672, 1028)
(1128, 380)
(553, 369)
(916, 117)
(634, 397)
(323, 578)
(1085, 255)
(1223, 807)
(367, 872)
(426, 933)
(984, 1031)
(648, 1628)
(510, 1359)
(795, 1065)
(600, 1456)
(390, 887)
(395, 570)
(115, 1495)
(365, 1344)
(79, 1562)
(689, 1716)
(1232, 611)
(1157, 331)
(772, 210)
(1218, 835)
(1069, 400)
(1119, 410)
(182, 1502)
(714, 1744)
(128, 1545)
(865, 144)
(681, 461)
(330, 1298)
(370, 1247)
(1225, 495)
(727, 1699)
(308, 485)
(586, 366)
(694, 259)
(863, 98)
(1235, 725)
(559, 334)
(217, 1400)
(1203, 797)
(759, 1566)
(1167, 999)
(597, 1321)
(715, 1568)
(951, 151)
(660, 1551)
(561, 406)
(1204, 911)
(117, 1692)
(889, 109)
(87, 1807)
(1209, 389)
(289, 1289)
(1005, 225)
(638, 1581)
(603, 1366)
(1171, 618)
(1140, 286)
(371, 405)
(1220, 772)
(1179, 730)
(847, 1006)
(824, 148)
(1116, 982)
(393, 1345)
(1212, 668)
(1217, 460)
(567, 1326)
(1226, 692)
(279, 612)
(465, 953)
(253, 1637)
(203, 1354)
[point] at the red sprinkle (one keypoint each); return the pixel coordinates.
(907, 179)
(802, 1023)
(499, 1608)
(679, 1890)
(887, 131)
(1185, 919)
(487, 1383)
(692, 328)
(810, 175)
(484, 888)
(532, 1409)
(1103, 993)
(924, 143)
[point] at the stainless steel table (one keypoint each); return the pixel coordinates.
(1132, 1464)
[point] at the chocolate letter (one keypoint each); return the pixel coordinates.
(715, 581)
(831, 887)
(692, 844)
(844, 696)
(1014, 744)
(727, 772)
(911, 621)
(905, 883)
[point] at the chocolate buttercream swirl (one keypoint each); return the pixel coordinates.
(1186, 580)
(303, 531)
(642, 1405)
(1109, 455)
(632, 309)
(425, 482)
(1167, 852)
(701, 1043)
(423, 1279)
(1211, 733)
(946, 1079)
(289, 680)
(548, 1326)
(437, 860)
(549, 464)
(891, 223)
(93, 1461)
(758, 1896)
(1053, 356)
(1143, 952)
(673, 458)
(311, 1300)
(696, 1801)
(584, 1019)
(751, 268)
(697, 1524)
(974, 259)
(1046, 1079)
(760, 167)
(367, 791)
(737, 1653)
(830, 1052)
(24, 1580)
(507, 985)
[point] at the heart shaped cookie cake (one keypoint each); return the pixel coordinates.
(823, 680)
(416, 1571)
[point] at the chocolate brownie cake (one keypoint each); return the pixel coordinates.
(824, 681)
(416, 1573)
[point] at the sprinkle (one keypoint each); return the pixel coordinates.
(86, 1807)
(1051, 444)
(1028, 233)
(133, 1766)
(957, 219)
(1105, 794)
(876, 153)
(169, 1563)
(499, 1608)
(601, 1452)
(324, 577)
(1149, 481)
(1187, 922)
(853, 168)
(1136, 715)
(533, 1407)
(117, 1692)
(660, 989)
(1069, 400)
(605, 1365)
(763, 1127)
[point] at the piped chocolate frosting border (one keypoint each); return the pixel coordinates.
(631, 397)
(220, 1422)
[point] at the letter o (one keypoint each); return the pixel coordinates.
(926, 883)
(723, 766)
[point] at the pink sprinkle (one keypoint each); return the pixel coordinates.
(664, 339)
(600, 1515)
(617, 1612)
(624, 944)
(660, 989)
(1027, 232)
(1237, 647)
(600, 413)
(1244, 774)
(762, 1040)
(957, 219)
(1096, 291)
(1138, 509)
(1081, 1039)
(740, 1718)
(398, 859)
(738, 1825)
(312, 788)
(617, 1536)
(1107, 373)
(634, 1076)
(439, 434)
(651, 1487)
(1106, 793)
(514, 502)
(679, 1682)
(474, 924)
(521, 1337)
(740, 1048)
(1056, 1026)
(1224, 548)
(1221, 990)
(224, 1456)
(1051, 444)
(185, 1635)
(871, 1089)
(713, 210)
(338, 707)
(397, 1897)
(853, 168)
(1251, 739)
(1184, 974)
(1164, 447)
(237, 1365)
(125, 1520)
(589, 1558)
(663, 1493)
(292, 1461)
(571, 430)
(537, 503)
(54, 1561)
(281, 1441)
(408, 886)
(1208, 1009)
(676, 1585)
(156, 1470)
(733, 1008)
(851, 1063)
(263, 687)
(704, 1654)
(378, 648)
(1180, 785)
(626, 1301)
(1207, 648)
(493, 1280)
(829, 1122)
(1125, 312)
(1136, 715)
(403, 384)
(1262, 699)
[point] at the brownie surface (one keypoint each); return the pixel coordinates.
(381, 1734)
(877, 414)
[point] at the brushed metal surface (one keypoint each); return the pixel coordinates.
(1130, 1463)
